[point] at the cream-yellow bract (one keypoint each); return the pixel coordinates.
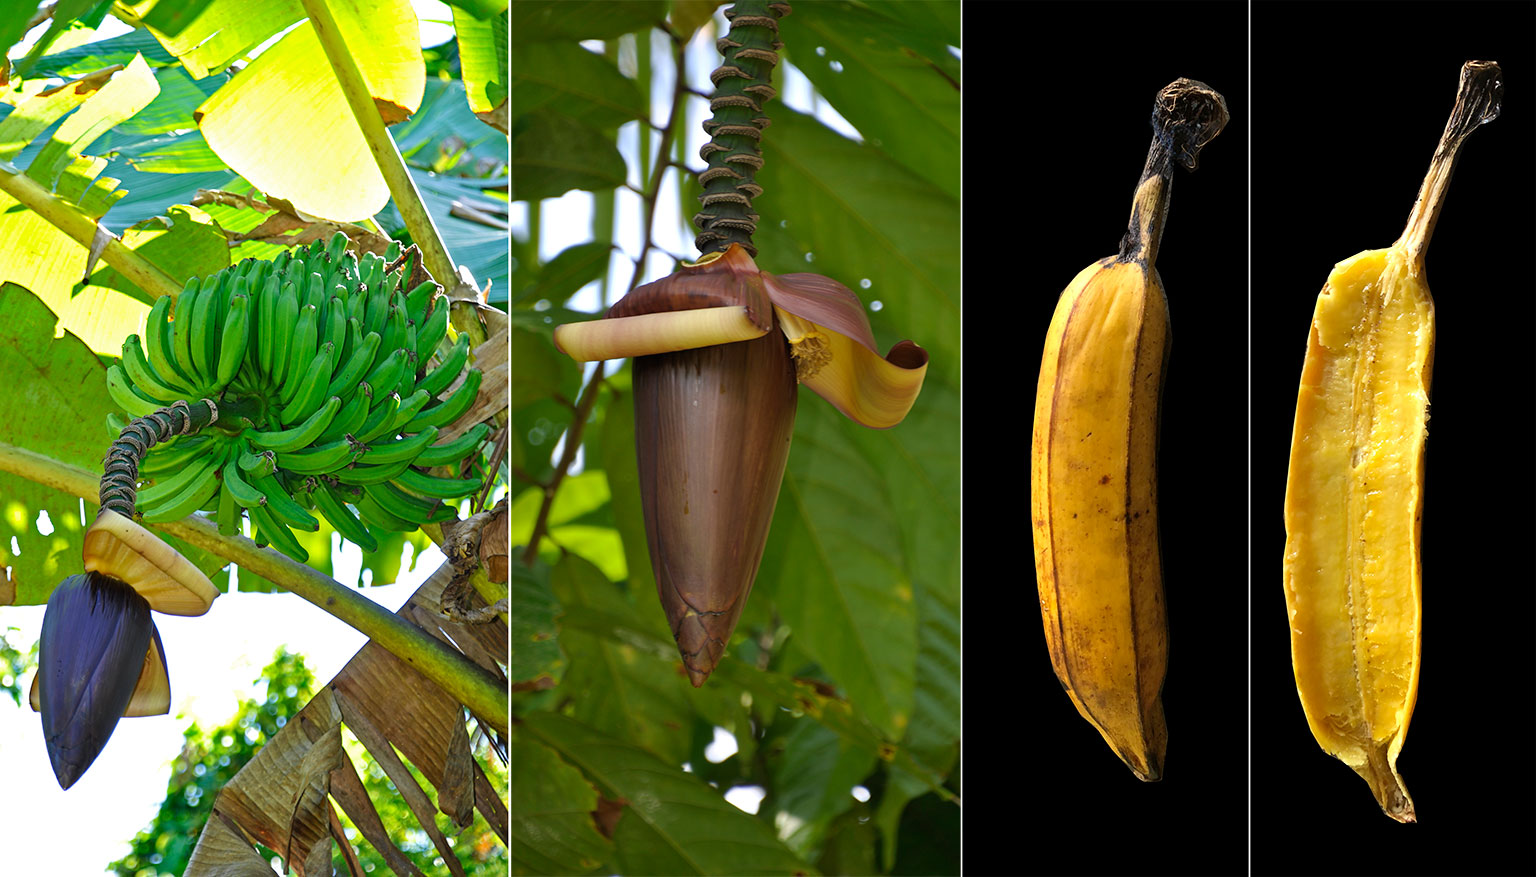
(719, 300)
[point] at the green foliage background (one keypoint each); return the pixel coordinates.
(844, 670)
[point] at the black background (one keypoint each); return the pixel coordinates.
(1341, 144)
(1337, 127)
(1058, 103)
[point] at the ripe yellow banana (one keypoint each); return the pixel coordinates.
(1093, 481)
(1354, 494)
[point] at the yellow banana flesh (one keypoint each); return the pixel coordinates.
(1354, 493)
(1094, 505)
(1353, 503)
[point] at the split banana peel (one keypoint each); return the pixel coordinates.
(1354, 495)
(1093, 478)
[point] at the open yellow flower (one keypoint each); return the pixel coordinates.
(718, 349)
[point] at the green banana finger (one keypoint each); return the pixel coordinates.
(299, 436)
(127, 397)
(379, 419)
(142, 375)
(400, 449)
(266, 324)
(335, 247)
(431, 330)
(351, 417)
(282, 504)
(407, 506)
(409, 408)
(458, 449)
(246, 494)
(360, 474)
(205, 336)
(438, 379)
(341, 518)
(175, 482)
(229, 513)
(115, 424)
(286, 319)
(300, 356)
(385, 376)
(158, 346)
(353, 369)
(450, 409)
(234, 338)
(336, 329)
(320, 460)
(185, 325)
(373, 512)
(278, 535)
(418, 300)
(174, 455)
(313, 383)
(190, 499)
(435, 485)
(257, 464)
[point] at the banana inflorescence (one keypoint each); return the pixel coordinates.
(1093, 481)
(1354, 494)
(333, 381)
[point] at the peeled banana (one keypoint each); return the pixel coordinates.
(1354, 495)
(1093, 479)
(308, 358)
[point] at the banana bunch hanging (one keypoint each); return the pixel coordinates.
(270, 388)
(318, 363)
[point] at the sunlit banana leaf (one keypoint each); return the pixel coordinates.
(280, 797)
(483, 63)
(222, 32)
(289, 94)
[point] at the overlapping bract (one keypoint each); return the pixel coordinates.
(715, 394)
(320, 364)
(99, 653)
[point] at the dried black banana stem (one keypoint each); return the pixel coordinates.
(119, 483)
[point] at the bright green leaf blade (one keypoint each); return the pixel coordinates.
(90, 57)
(552, 154)
(553, 831)
(673, 824)
(483, 64)
(813, 780)
(626, 692)
(131, 89)
(223, 32)
(537, 661)
(863, 217)
(577, 83)
(884, 78)
(184, 243)
(535, 21)
(289, 94)
(838, 571)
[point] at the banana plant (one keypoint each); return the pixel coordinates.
(256, 363)
(719, 349)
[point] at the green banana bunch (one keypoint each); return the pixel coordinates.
(333, 383)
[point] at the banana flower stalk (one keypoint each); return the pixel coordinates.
(719, 347)
(99, 653)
